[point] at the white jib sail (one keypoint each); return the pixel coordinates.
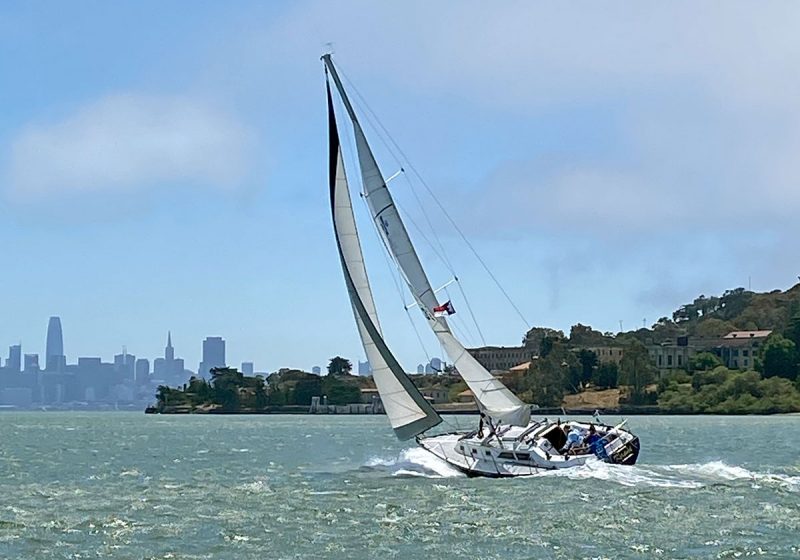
(492, 396)
(408, 411)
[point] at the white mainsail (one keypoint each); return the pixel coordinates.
(408, 411)
(492, 396)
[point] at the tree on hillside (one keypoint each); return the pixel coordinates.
(339, 366)
(606, 376)
(533, 338)
(703, 361)
(713, 328)
(779, 357)
(551, 341)
(636, 371)
(733, 303)
(340, 391)
(553, 373)
(305, 389)
(227, 382)
(582, 335)
(588, 361)
(665, 329)
(793, 334)
(546, 380)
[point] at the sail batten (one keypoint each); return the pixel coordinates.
(492, 396)
(408, 411)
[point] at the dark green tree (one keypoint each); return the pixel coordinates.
(339, 366)
(606, 375)
(582, 335)
(227, 382)
(546, 380)
(304, 389)
(533, 338)
(340, 391)
(588, 362)
(636, 371)
(556, 371)
(703, 361)
(778, 357)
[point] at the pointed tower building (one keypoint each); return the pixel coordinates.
(169, 351)
(54, 359)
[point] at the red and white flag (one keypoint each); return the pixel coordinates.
(444, 310)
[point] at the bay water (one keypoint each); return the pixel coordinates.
(128, 485)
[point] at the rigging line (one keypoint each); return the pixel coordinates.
(463, 326)
(419, 230)
(469, 308)
(459, 329)
(392, 270)
(438, 239)
(372, 118)
(442, 207)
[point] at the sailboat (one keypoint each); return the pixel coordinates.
(508, 442)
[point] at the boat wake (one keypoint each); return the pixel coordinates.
(417, 462)
(694, 475)
(414, 462)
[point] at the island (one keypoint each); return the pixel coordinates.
(737, 353)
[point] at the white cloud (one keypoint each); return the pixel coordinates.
(128, 142)
(706, 98)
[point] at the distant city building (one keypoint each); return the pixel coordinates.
(213, 355)
(316, 370)
(125, 365)
(364, 368)
(160, 369)
(142, 372)
(169, 369)
(54, 359)
(247, 368)
(169, 351)
(434, 366)
(31, 364)
(420, 368)
(14, 362)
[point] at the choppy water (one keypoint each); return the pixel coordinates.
(119, 485)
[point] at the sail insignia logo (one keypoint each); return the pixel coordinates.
(384, 226)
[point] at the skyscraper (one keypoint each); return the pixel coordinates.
(213, 355)
(125, 365)
(31, 363)
(14, 362)
(54, 355)
(169, 351)
(247, 368)
(142, 369)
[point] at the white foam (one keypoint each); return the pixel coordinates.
(620, 474)
(717, 471)
(415, 462)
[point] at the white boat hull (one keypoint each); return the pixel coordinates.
(527, 451)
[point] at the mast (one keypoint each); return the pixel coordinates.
(492, 396)
(408, 411)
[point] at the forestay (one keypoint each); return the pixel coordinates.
(408, 411)
(492, 396)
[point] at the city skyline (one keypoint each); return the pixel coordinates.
(178, 183)
(20, 349)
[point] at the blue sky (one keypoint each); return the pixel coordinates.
(162, 165)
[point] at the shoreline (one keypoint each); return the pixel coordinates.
(648, 410)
